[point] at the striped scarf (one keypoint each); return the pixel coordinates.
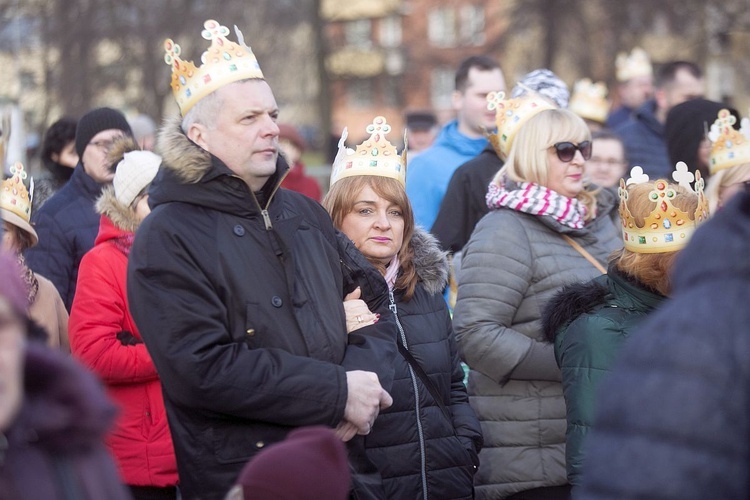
(535, 199)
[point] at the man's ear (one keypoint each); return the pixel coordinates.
(457, 100)
(198, 133)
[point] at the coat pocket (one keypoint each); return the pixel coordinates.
(235, 443)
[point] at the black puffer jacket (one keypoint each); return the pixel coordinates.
(242, 313)
(419, 452)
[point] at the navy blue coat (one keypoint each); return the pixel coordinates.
(674, 416)
(67, 225)
(645, 145)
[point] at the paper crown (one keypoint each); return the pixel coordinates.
(589, 100)
(15, 201)
(633, 65)
(224, 62)
(667, 228)
(375, 156)
(510, 114)
(729, 147)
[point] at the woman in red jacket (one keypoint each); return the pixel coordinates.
(104, 336)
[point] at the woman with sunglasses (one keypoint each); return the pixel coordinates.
(545, 229)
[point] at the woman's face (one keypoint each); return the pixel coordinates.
(607, 164)
(12, 340)
(9, 242)
(565, 177)
(141, 208)
(375, 225)
(68, 156)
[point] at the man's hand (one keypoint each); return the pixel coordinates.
(365, 399)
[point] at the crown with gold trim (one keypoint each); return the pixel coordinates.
(510, 114)
(15, 201)
(589, 100)
(224, 62)
(375, 156)
(637, 63)
(729, 147)
(667, 228)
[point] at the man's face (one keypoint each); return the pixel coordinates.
(636, 91)
(471, 104)
(244, 134)
(95, 155)
(684, 88)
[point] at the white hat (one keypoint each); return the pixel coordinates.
(136, 171)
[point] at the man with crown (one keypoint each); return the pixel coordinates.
(635, 85)
(237, 284)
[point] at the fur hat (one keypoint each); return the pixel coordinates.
(545, 83)
(135, 171)
(96, 121)
(311, 463)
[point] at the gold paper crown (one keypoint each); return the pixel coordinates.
(667, 228)
(510, 114)
(729, 147)
(224, 62)
(633, 65)
(589, 100)
(15, 201)
(375, 156)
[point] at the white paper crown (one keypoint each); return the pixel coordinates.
(729, 147)
(589, 100)
(633, 65)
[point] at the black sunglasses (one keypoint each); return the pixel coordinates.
(566, 151)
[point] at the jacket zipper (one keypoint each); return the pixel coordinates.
(412, 375)
(264, 211)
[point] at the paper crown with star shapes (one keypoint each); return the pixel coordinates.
(632, 65)
(375, 156)
(729, 147)
(589, 100)
(667, 228)
(15, 201)
(510, 114)
(224, 62)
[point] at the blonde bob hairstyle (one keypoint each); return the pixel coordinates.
(721, 180)
(528, 157)
(651, 269)
(340, 200)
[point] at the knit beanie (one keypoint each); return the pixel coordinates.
(545, 83)
(311, 463)
(96, 121)
(13, 288)
(136, 171)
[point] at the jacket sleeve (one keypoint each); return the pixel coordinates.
(496, 271)
(586, 350)
(52, 256)
(99, 312)
(182, 320)
(424, 194)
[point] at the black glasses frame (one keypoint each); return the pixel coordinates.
(566, 151)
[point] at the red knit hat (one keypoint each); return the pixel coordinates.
(309, 464)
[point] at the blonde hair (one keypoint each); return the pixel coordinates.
(527, 159)
(721, 180)
(651, 269)
(340, 200)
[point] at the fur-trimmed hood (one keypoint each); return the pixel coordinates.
(569, 303)
(185, 158)
(122, 217)
(430, 261)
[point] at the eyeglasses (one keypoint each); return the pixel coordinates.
(566, 151)
(104, 145)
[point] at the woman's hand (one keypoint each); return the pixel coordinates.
(357, 312)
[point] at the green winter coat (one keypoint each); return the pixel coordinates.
(589, 323)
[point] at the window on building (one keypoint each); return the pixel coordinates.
(472, 25)
(360, 93)
(358, 33)
(392, 92)
(390, 31)
(441, 27)
(442, 84)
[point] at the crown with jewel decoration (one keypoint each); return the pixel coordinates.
(729, 147)
(667, 228)
(510, 114)
(224, 62)
(589, 100)
(637, 63)
(375, 156)
(15, 201)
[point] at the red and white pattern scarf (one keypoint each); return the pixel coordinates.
(535, 199)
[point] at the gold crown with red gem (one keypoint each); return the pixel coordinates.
(375, 156)
(15, 201)
(729, 147)
(224, 62)
(667, 228)
(510, 114)
(589, 100)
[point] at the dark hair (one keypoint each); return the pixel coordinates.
(58, 135)
(667, 73)
(607, 134)
(483, 63)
